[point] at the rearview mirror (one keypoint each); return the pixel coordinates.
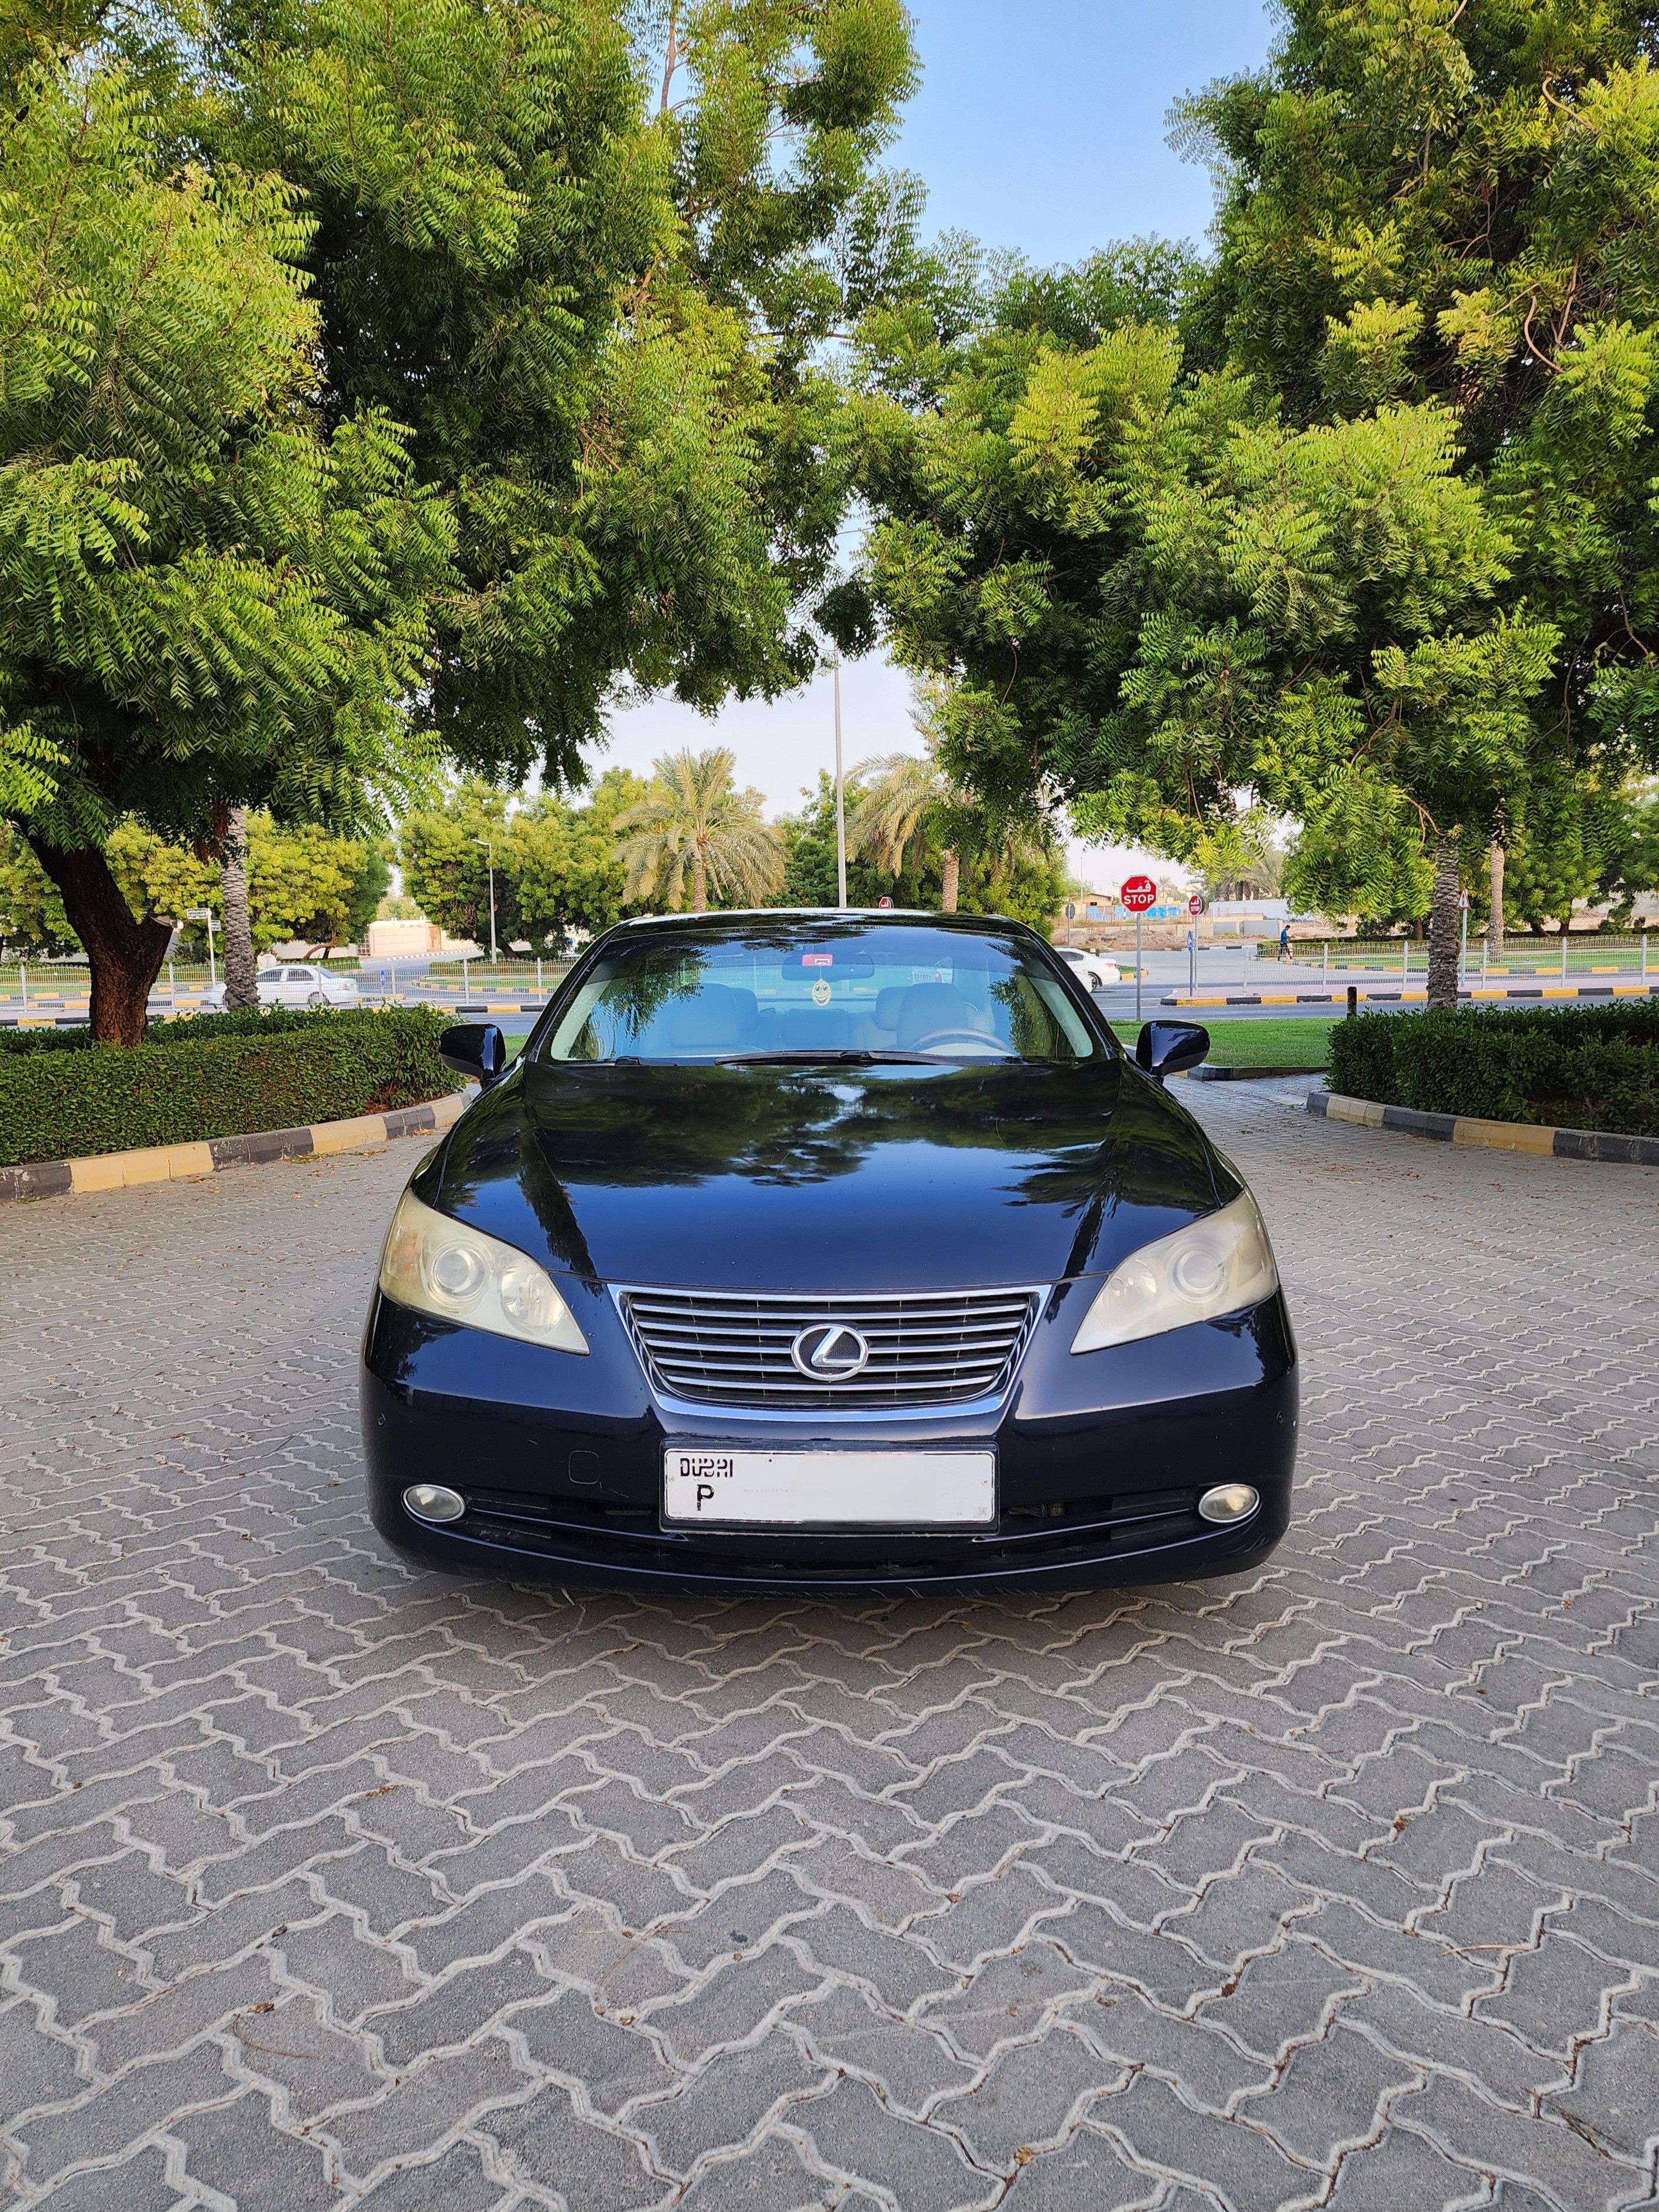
(1170, 1048)
(475, 1048)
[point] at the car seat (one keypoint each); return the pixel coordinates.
(805, 1028)
(928, 1008)
(710, 1022)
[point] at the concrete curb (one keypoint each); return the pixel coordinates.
(1207, 1073)
(1604, 1145)
(1479, 996)
(189, 1163)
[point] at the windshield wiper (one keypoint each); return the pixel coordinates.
(842, 1056)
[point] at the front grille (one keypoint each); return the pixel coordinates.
(926, 1347)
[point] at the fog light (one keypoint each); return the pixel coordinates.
(1228, 1501)
(432, 1501)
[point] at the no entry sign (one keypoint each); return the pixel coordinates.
(1139, 895)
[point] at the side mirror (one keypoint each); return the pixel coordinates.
(1168, 1047)
(476, 1048)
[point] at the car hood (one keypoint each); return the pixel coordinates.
(797, 1178)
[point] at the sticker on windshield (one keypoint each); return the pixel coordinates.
(818, 959)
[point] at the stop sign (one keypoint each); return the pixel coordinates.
(1139, 895)
(1195, 905)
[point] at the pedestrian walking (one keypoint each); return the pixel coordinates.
(1285, 942)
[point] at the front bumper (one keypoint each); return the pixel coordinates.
(1101, 1459)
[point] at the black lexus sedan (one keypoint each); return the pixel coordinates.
(817, 1251)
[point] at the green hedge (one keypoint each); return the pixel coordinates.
(221, 1075)
(1571, 1067)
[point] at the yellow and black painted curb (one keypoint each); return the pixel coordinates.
(1605, 1144)
(189, 1163)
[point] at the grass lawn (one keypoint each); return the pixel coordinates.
(1296, 1042)
(1233, 1045)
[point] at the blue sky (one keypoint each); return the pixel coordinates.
(1039, 126)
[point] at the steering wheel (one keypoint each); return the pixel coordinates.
(985, 1043)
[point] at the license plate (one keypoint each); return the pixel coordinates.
(831, 1489)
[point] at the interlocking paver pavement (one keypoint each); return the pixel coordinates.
(328, 1881)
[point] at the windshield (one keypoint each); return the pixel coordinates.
(840, 991)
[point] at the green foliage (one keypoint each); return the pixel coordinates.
(1579, 1067)
(303, 882)
(570, 873)
(1022, 876)
(695, 838)
(1357, 521)
(557, 866)
(379, 382)
(32, 917)
(445, 852)
(588, 275)
(63, 1096)
(809, 846)
(210, 596)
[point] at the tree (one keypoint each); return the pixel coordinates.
(1144, 590)
(241, 975)
(558, 867)
(567, 860)
(210, 598)
(906, 806)
(1359, 528)
(444, 850)
(32, 917)
(694, 832)
(590, 276)
(811, 877)
(303, 882)
(399, 375)
(1239, 860)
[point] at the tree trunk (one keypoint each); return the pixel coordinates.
(241, 970)
(1444, 920)
(953, 878)
(699, 881)
(125, 953)
(1495, 925)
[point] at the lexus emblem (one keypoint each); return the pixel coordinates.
(829, 1351)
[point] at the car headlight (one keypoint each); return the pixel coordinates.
(441, 1267)
(1216, 1266)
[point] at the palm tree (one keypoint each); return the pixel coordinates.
(907, 804)
(693, 826)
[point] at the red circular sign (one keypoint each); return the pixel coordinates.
(1195, 905)
(1139, 894)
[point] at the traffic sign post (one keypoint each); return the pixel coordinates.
(1139, 893)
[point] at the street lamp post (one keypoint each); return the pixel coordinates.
(840, 805)
(490, 851)
(205, 913)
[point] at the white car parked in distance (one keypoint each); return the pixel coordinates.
(1092, 972)
(291, 986)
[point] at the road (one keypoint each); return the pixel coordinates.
(326, 1881)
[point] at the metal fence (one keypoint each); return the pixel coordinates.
(1580, 956)
(62, 987)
